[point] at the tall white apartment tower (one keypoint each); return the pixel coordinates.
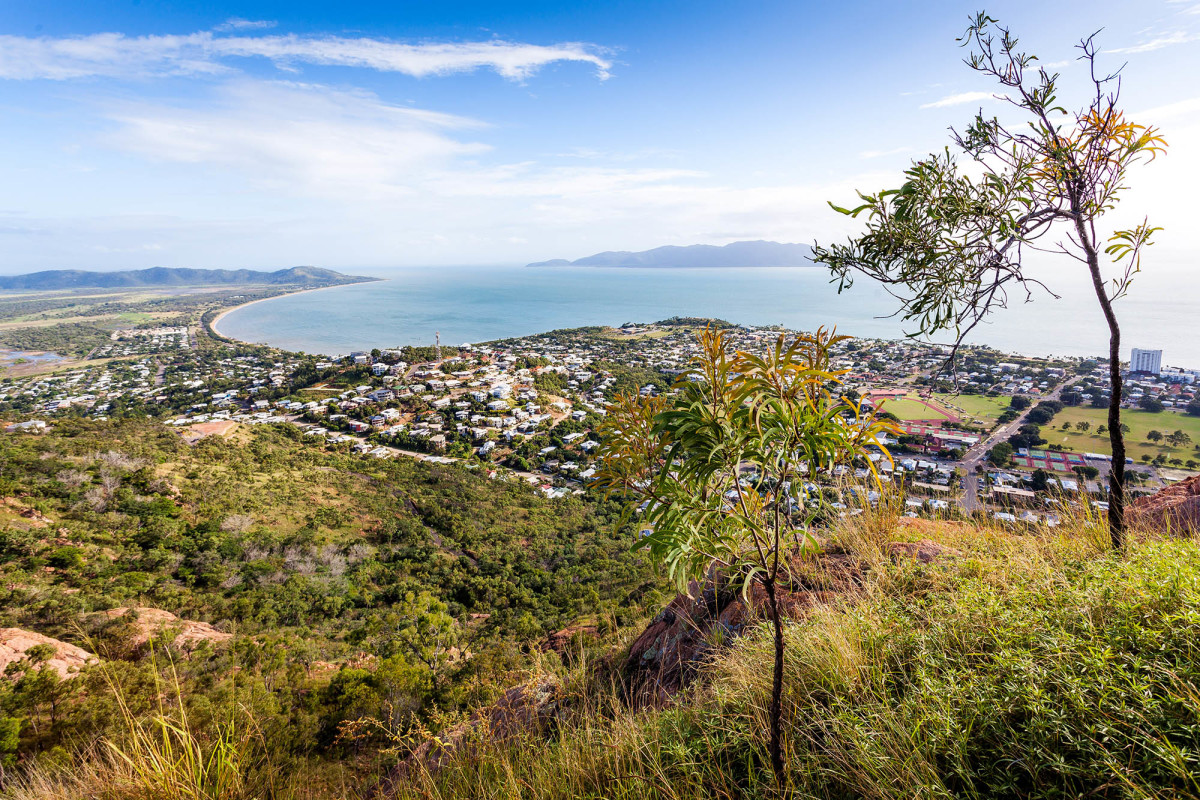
(1146, 361)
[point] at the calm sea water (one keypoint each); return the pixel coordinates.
(478, 304)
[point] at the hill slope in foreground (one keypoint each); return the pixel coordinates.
(737, 254)
(59, 279)
(425, 630)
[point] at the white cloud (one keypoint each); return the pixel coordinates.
(117, 55)
(961, 98)
(320, 175)
(310, 139)
(1158, 42)
(240, 24)
(1171, 111)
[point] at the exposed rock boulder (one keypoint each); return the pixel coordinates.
(154, 623)
(66, 661)
(567, 640)
(1175, 509)
(667, 655)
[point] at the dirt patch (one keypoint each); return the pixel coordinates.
(924, 551)
(31, 515)
(194, 433)
(66, 661)
(569, 639)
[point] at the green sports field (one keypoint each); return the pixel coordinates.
(910, 409)
(1136, 444)
(975, 407)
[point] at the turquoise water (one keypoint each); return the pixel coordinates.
(477, 304)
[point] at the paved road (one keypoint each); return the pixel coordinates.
(974, 457)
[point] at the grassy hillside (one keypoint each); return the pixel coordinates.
(1033, 666)
(364, 610)
(1015, 665)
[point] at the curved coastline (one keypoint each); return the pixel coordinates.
(217, 319)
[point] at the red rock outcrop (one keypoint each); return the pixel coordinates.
(66, 661)
(150, 623)
(1175, 509)
(667, 655)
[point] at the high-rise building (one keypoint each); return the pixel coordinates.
(1146, 361)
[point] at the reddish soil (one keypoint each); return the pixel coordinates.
(194, 433)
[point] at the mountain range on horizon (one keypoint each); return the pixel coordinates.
(737, 254)
(174, 276)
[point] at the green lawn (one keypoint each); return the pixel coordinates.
(1136, 444)
(135, 317)
(907, 410)
(979, 408)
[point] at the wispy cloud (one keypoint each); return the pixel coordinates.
(961, 98)
(352, 147)
(117, 55)
(310, 139)
(1171, 111)
(240, 24)
(1159, 42)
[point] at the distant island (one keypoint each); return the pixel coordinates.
(174, 276)
(737, 254)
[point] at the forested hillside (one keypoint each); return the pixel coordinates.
(352, 588)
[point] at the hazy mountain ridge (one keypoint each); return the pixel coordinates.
(737, 254)
(173, 276)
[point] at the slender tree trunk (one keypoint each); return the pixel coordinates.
(1116, 437)
(776, 709)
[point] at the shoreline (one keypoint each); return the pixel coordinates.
(217, 319)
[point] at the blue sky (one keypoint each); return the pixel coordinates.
(359, 135)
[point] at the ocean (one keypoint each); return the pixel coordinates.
(474, 304)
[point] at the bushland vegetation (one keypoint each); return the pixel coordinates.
(363, 596)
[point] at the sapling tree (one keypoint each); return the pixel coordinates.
(952, 242)
(722, 472)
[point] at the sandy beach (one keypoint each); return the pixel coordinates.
(217, 319)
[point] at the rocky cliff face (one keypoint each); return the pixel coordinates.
(1175, 509)
(667, 655)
